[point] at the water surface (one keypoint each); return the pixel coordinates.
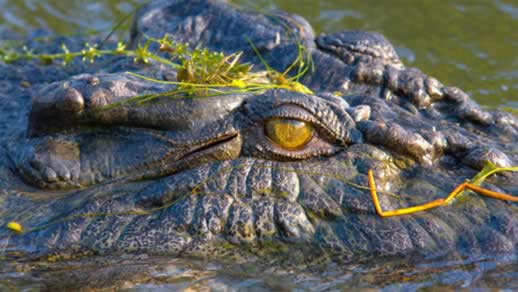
(471, 44)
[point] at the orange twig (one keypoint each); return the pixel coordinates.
(433, 204)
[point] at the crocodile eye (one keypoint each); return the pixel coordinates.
(289, 134)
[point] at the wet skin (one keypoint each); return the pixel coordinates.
(181, 176)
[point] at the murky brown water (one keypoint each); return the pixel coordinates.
(472, 44)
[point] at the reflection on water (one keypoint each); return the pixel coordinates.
(468, 43)
(143, 272)
(471, 44)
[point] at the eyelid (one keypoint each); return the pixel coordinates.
(290, 112)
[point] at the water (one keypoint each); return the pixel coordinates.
(471, 44)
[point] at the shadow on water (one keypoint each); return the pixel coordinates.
(468, 43)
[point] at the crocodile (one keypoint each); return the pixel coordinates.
(214, 176)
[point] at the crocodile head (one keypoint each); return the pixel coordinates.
(185, 175)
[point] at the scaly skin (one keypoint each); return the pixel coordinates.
(181, 176)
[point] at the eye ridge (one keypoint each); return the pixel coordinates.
(288, 133)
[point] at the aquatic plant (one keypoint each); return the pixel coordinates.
(200, 72)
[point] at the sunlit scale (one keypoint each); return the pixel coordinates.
(290, 134)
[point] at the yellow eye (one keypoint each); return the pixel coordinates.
(288, 133)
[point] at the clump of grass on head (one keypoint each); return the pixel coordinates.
(201, 66)
(200, 72)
